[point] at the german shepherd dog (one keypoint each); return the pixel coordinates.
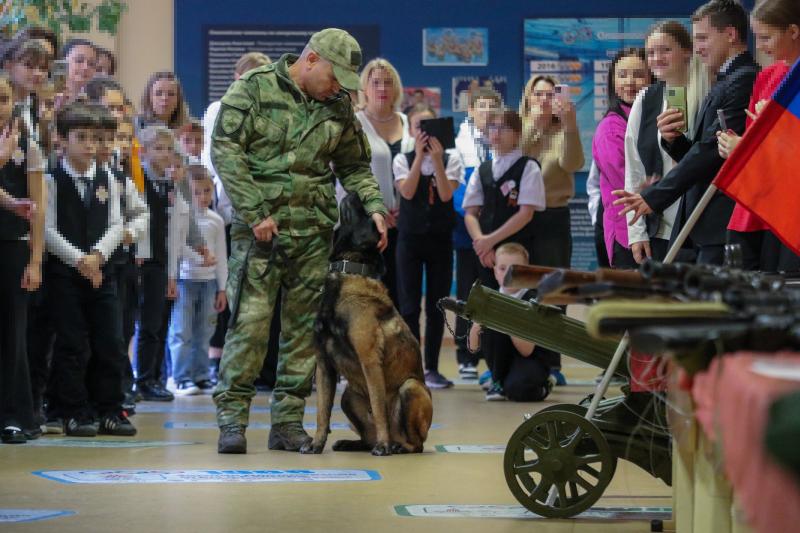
(361, 336)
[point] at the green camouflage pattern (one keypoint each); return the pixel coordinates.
(275, 151)
(273, 148)
(300, 270)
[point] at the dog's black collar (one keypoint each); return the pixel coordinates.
(351, 267)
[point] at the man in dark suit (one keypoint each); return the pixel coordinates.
(719, 28)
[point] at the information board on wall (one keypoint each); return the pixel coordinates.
(578, 52)
(224, 45)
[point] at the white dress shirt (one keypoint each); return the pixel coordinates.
(454, 169)
(191, 267)
(222, 204)
(636, 178)
(56, 243)
(136, 216)
(531, 186)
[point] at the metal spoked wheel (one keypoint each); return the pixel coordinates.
(561, 450)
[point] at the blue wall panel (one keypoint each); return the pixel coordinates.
(401, 23)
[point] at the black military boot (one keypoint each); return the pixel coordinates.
(232, 439)
(289, 436)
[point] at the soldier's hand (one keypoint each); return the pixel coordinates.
(380, 223)
(265, 230)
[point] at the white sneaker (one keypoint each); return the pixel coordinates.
(467, 371)
(187, 388)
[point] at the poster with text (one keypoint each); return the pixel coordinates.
(464, 86)
(225, 44)
(578, 52)
(455, 47)
(431, 96)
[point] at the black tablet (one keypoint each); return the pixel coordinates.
(441, 128)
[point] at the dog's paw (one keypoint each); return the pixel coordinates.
(398, 448)
(382, 449)
(312, 447)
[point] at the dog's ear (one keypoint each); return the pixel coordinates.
(351, 209)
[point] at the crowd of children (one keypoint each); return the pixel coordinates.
(106, 220)
(114, 224)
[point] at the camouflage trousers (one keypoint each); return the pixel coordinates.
(256, 273)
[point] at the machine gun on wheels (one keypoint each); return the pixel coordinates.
(558, 463)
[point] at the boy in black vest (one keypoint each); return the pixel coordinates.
(157, 254)
(84, 227)
(21, 248)
(426, 179)
(499, 205)
(135, 219)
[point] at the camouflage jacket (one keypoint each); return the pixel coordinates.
(274, 149)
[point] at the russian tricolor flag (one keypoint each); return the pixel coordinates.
(763, 173)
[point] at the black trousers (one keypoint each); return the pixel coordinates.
(600, 240)
(751, 244)
(659, 248)
(16, 403)
(552, 238)
(218, 338)
(433, 255)
(390, 261)
(623, 258)
(88, 357)
(552, 242)
(467, 272)
(523, 379)
(153, 321)
(762, 250)
(41, 337)
(127, 292)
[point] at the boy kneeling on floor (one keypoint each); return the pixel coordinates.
(83, 228)
(520, 369)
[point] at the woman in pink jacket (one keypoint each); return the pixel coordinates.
(627, 75)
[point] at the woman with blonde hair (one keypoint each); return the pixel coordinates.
(386, 129)
(162, 102)
(668, 45)
(550, 135)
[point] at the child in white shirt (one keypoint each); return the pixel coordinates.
(201, 293)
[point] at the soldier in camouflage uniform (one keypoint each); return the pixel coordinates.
(280, 129)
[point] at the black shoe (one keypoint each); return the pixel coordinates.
(118, 425)
(205, 384)
(33, 433)
(80, 427)
(289, 436)
(232, 439)
(13, 435)
(154, 392)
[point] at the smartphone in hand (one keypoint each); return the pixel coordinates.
(562, 93)
(676, 99)
(723, 125)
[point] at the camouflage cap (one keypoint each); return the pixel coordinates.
(343, 52)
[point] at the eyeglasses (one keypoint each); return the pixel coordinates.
(497, 127)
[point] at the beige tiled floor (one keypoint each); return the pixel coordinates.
(430, 478)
